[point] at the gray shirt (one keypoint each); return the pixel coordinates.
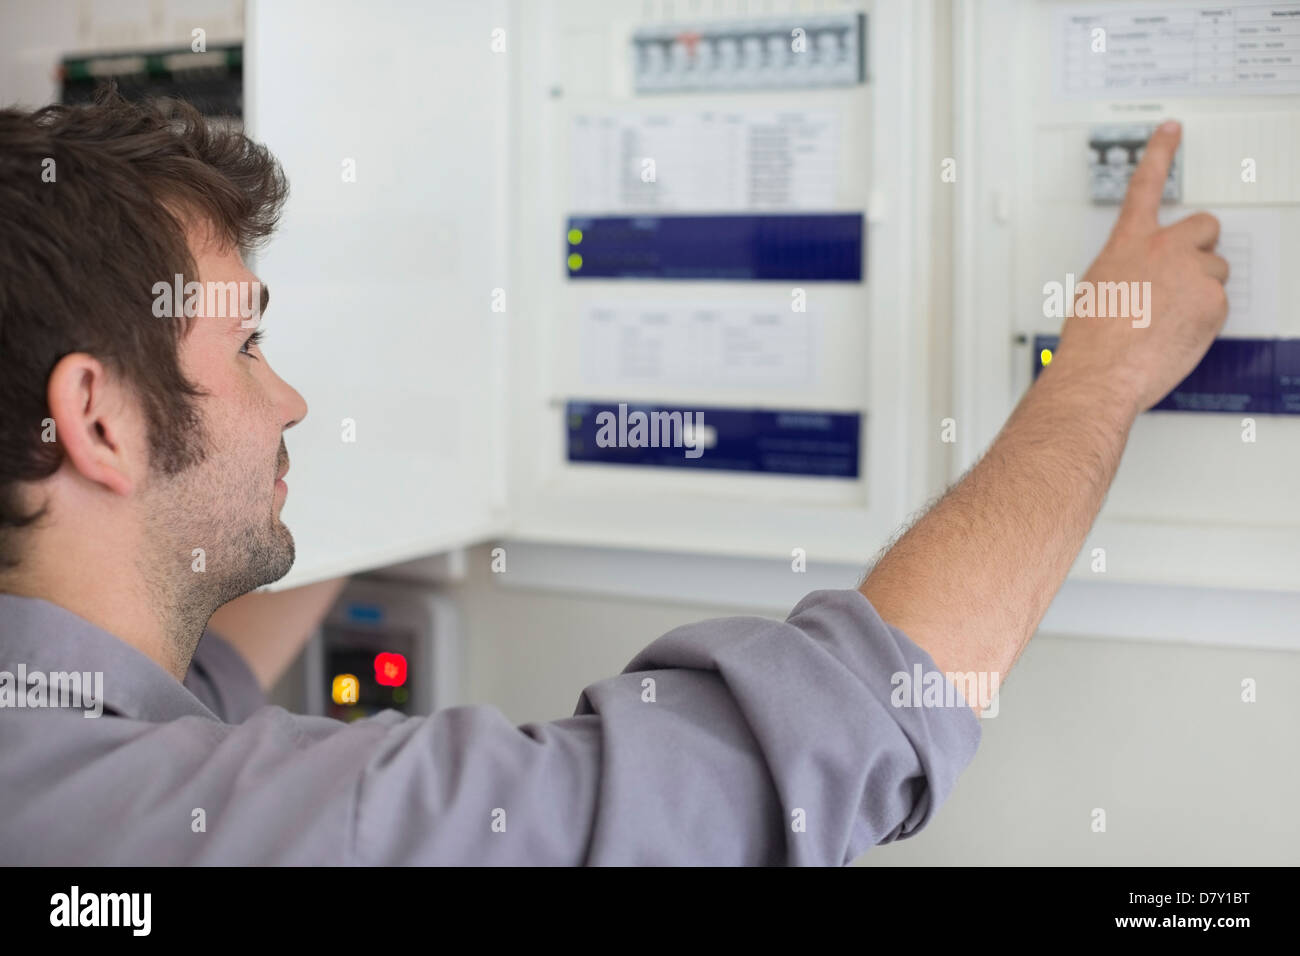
(738, 740)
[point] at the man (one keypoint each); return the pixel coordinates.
(140, 459)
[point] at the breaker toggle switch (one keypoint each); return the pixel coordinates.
(1114, 152)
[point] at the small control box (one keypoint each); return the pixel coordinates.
(385, 645)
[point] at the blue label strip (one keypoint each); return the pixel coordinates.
(812, 443)
(810, 248)
(1255, 376)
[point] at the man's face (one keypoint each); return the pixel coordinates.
(228, 504)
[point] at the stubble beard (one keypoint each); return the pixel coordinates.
(213, 535)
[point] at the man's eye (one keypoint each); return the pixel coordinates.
(249, 342)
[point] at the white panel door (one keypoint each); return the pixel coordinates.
(390, 119)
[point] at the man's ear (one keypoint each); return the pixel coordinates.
(95, 422)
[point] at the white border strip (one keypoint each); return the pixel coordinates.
(1111, 610)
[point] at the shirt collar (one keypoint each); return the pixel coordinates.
(46, 637)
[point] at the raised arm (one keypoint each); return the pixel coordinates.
(971, 580)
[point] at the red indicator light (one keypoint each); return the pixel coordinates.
(390, 669)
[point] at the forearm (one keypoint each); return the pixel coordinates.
(269, 628)
(971, 581)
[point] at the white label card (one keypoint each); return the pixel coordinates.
(694, 345)
(1139, 50)
(1251, 241)
(703, 161)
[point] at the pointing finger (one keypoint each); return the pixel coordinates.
(1145, 189)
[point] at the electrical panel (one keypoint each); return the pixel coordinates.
(599, 310)
(1204, 494)
(723, 225)
(677, 278)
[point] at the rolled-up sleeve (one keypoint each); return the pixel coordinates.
(738, 740)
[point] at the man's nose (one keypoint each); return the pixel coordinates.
(293, 404)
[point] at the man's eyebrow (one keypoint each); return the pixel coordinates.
(244, 324)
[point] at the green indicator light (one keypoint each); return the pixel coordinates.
(575, 262)
(400, 695)
(575, 236)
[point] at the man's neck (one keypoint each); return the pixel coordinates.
(115, 596)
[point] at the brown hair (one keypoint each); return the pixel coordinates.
(93, 205)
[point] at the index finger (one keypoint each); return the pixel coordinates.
(1147, 186)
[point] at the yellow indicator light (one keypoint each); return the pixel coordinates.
(575, 262)
(1045, 356)
(575, 236)
(345, 689)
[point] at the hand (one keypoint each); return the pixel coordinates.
(1143, 351)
